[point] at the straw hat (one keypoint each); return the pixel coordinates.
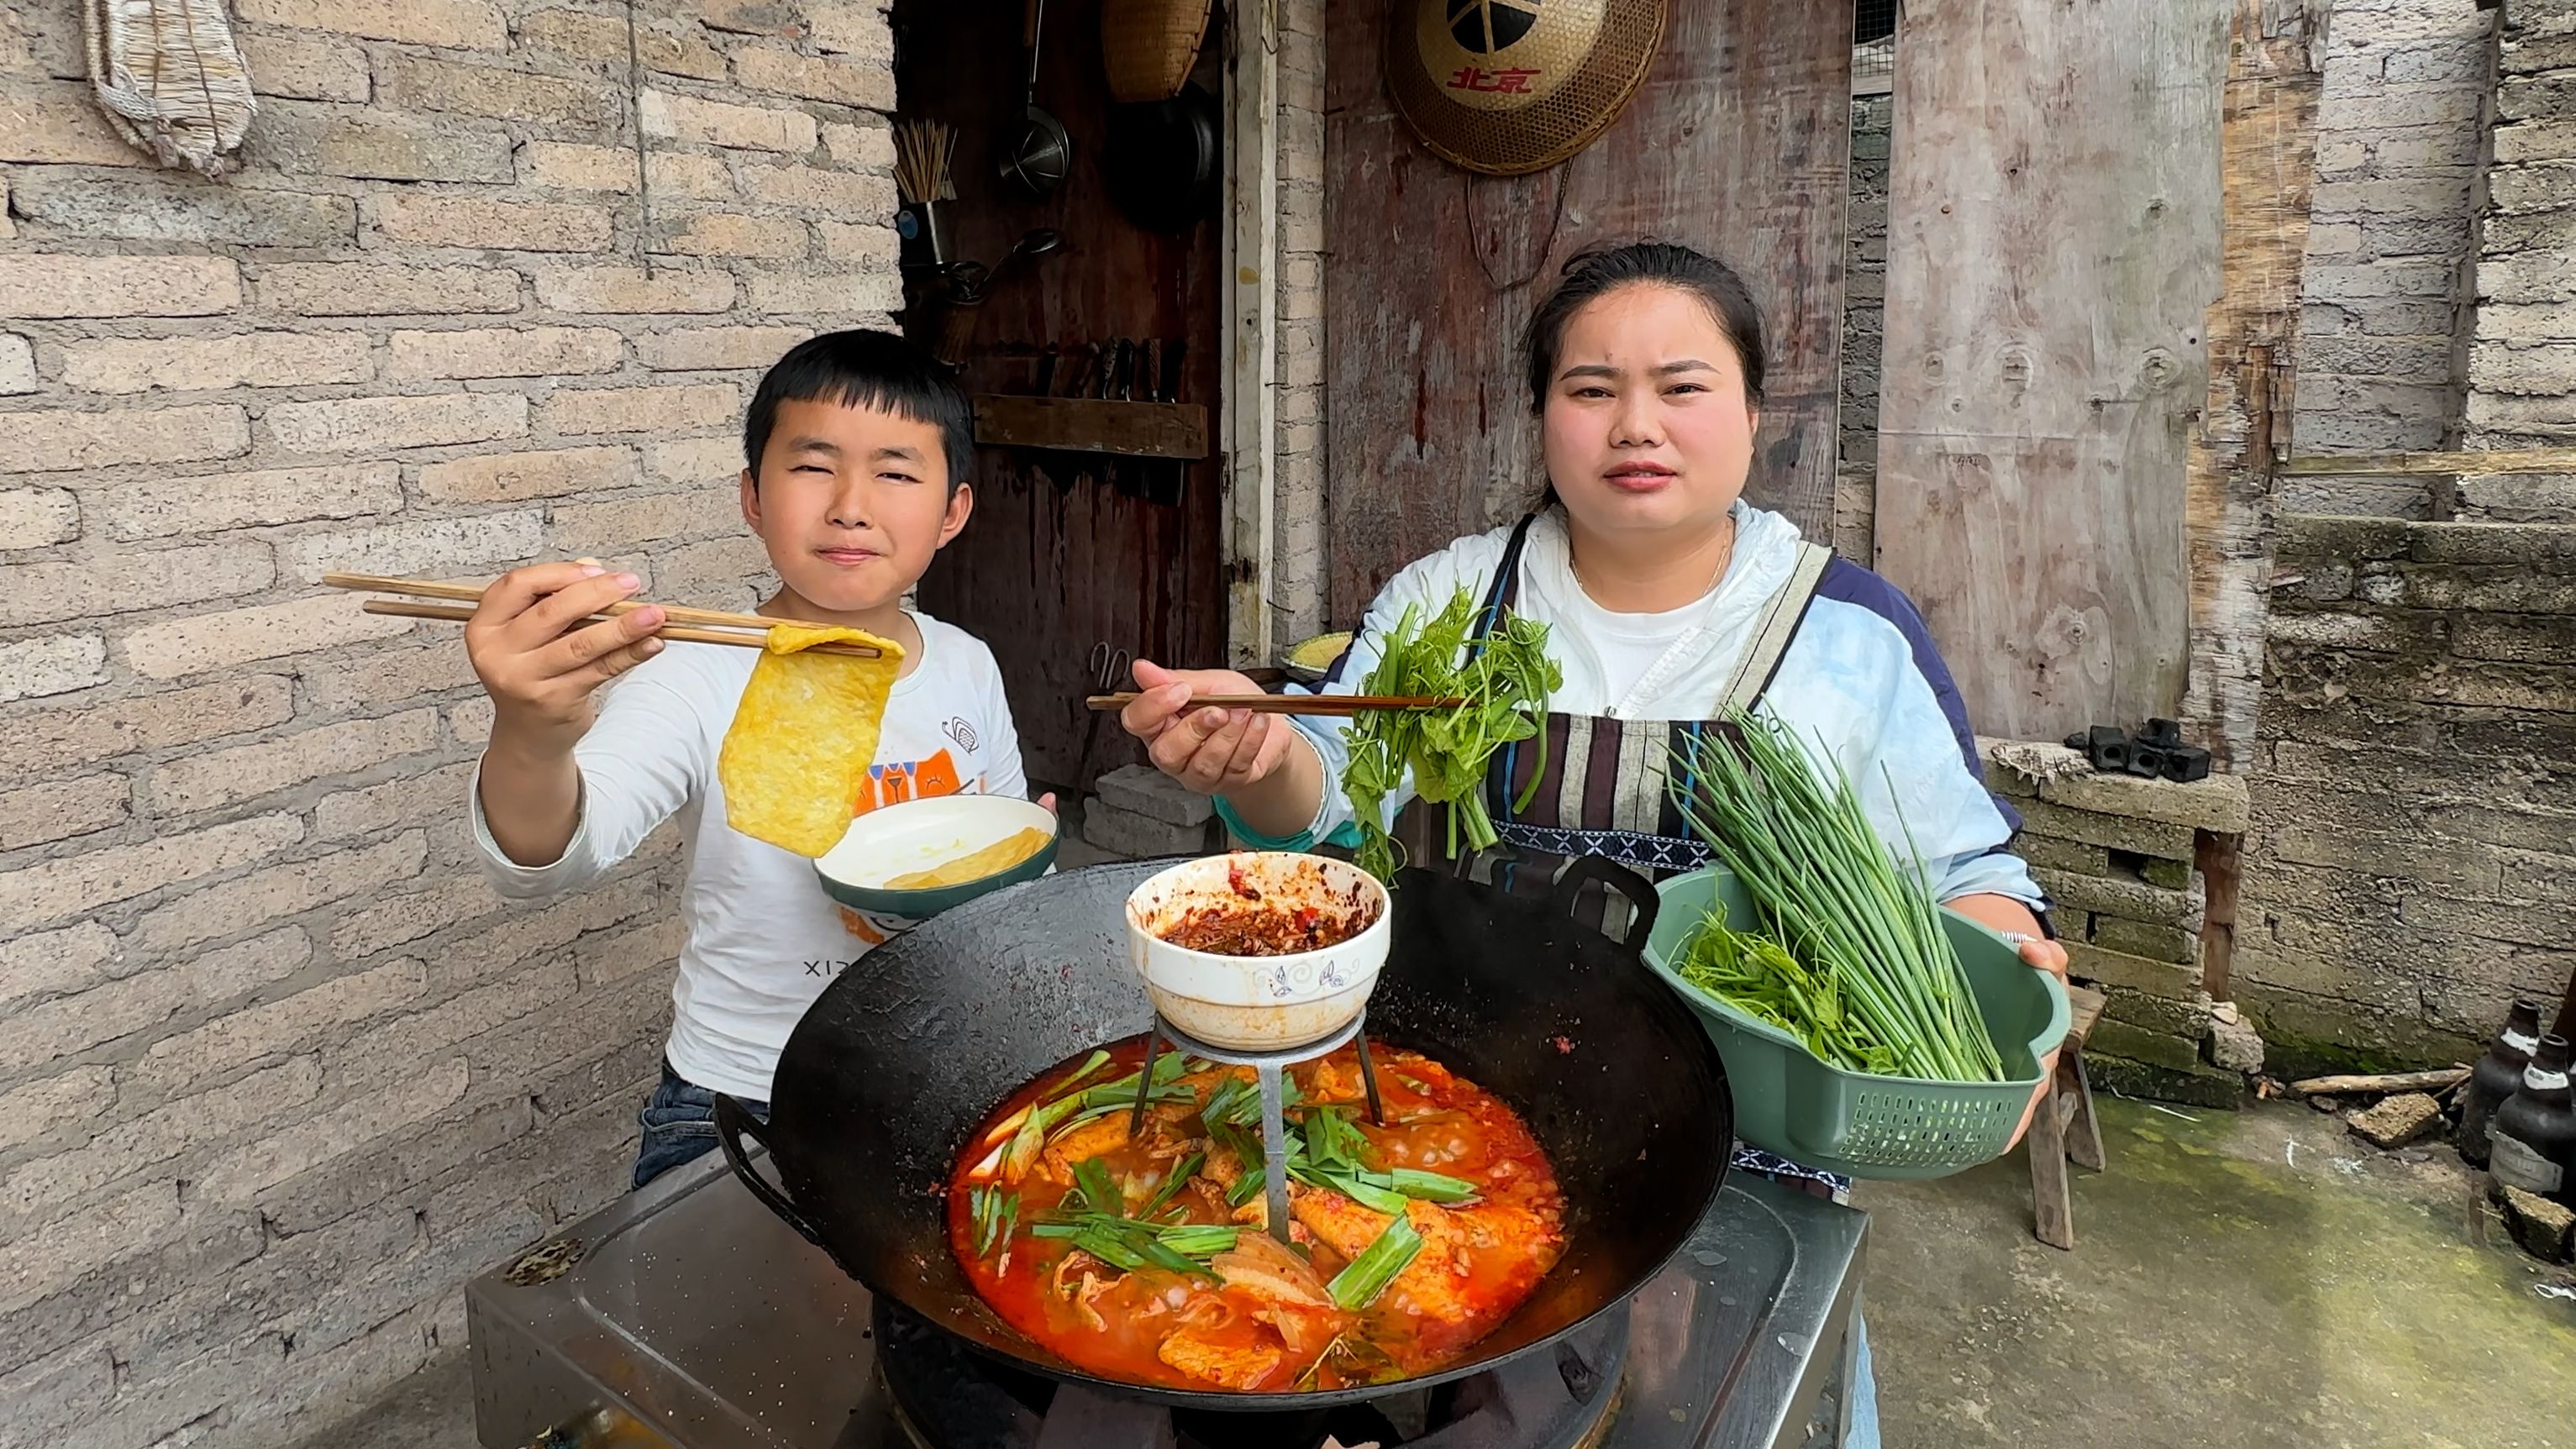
(1508, 87)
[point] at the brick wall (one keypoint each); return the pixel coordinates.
(1297, 588)
(1864, 309)
(2522, 367)
(2413, 857)
(2400, 134)
(277, 1072)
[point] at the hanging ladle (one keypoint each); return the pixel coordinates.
(1042, 153)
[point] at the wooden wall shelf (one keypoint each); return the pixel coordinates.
(1092, 425)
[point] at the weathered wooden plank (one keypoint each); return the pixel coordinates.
(1092, 425)
(2268, 145)
(2052, 247)
(2432, 465)
(1738, 144)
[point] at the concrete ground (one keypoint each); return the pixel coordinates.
(2253, 1280)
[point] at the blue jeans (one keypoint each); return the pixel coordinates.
(1862, 1392)
(679, 1122)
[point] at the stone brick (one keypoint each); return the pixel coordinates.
(77, 1096)
(2398, 1120)
(830, 292)
(157, 1137)
(226, 777)
(752, 17)
(573, 166)
(377, 145)
(634, 289)
(398, 920)
(50, 1398)
(461, 1018)
(507, 352)
(719, 123)
(2409, 196)
(123, 582)
(430, 547)
(820, 78)
(279, 891)
(1144, 790)
(723, 561)
(860, 148)
(210, 503)
(2330, 630)
(195, 210)
(182, 647)
(2216, 804)
(391, 1171)
(811, 188)
(508, 477)
(246, 359)
(35, 668)
(2531, 277)
(412, 799)
(2534, 141)
(373, 1114)
(56, 963)
(71, 885)
(452, 220)
(679, 173)
(36, 744)
(2541, 369)
(470, 721)
(190, 1059)
(61, 124)
(214, 977)
(578, 36)
(730, 234)
(699, 349)
(29, 1270)
(496, 92)
(859, 241)
(381, 424)
(1127, 833)
(2113, 1038)
(377, 289)
(851, 29)
(61, 809)
(2194, 1084)
(302, 67)
(530, 932)
(2132, 899)
(716, 460)
(17, 354)
(600, 530)
(2143, 837)
(2167, 979)
(35, 517)
(452, 24)
(641, 409)
(2147, 939)
(60, 441)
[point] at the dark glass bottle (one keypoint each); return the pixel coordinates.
(2494, 1078)
(2534, 1137)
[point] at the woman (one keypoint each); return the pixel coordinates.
(1669, 600)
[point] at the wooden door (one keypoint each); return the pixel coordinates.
(2052, 252)
(1738, 144)
(1053, 563)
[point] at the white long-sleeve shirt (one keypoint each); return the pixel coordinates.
(1861, 679)
(764, 940)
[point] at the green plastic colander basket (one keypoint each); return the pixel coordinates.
(1789, 1102)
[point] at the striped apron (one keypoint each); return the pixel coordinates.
(1601, 790)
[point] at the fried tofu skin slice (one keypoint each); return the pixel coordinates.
(1224, 1366)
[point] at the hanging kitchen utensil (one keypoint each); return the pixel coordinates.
(1041, 153)
(1148, 46)
(1035, 243)
(1166, 160)
(1169, 476)
(1507, 87)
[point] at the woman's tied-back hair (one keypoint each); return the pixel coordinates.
(864, 369)
(1597, 273)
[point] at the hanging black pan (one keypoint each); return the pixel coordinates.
(1164, 161)
(905, 1054)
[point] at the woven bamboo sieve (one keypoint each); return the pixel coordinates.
(1148, 46)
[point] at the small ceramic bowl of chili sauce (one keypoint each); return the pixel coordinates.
(1259, 950)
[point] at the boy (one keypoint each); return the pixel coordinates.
(855, 452)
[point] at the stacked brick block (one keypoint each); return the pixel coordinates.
(1864, 327)
(2391, 231)
(277, 1072)
(1297, 596)
(2116, 855)
(2522, 367)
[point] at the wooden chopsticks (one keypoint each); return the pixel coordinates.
(713, 626)
(1320, 705)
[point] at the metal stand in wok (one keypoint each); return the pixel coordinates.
(1270, 1068)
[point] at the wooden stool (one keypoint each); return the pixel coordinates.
(2063, 1127)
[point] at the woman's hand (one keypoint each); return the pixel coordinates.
(1213, 751)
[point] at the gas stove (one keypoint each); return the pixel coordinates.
(686, 1316)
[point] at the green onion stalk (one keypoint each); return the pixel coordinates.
(1867, 979)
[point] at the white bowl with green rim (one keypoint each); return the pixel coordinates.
(916, 835)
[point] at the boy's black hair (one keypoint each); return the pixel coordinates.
(864, 369)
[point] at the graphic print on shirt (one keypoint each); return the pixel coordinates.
(893, 783)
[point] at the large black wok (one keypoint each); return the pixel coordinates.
(904, 1054)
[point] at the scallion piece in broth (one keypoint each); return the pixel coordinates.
(1431, 1186)
(1358, 1285)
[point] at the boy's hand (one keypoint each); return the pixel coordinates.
(538, 663)
(1213, 751)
